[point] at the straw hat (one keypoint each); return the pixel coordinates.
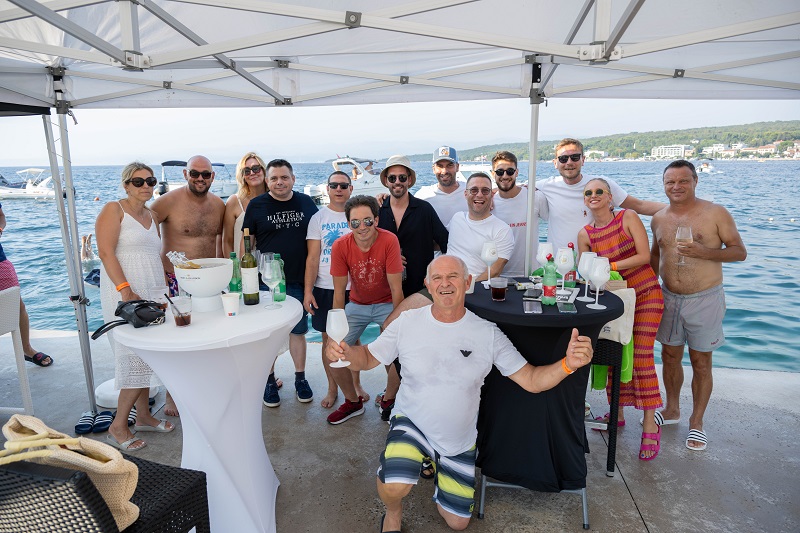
(403, 161)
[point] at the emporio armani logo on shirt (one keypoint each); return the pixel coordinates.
(465, 353)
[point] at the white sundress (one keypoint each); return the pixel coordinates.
(139, 254)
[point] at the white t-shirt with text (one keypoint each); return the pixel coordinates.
(326, 226)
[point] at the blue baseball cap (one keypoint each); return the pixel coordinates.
(445, 152)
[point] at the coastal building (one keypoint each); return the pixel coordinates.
(767, 149)
(672, 150)
(598, 154)
(714, 149)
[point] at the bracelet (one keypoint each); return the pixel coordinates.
(613, 265)
(123, 285)
(567, 369)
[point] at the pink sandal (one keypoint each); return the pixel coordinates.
(650, 447)
(605, 419)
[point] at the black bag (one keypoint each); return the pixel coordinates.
(137, 313)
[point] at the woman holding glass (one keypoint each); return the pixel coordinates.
(129, 246)
(251, 176)
(621, 237)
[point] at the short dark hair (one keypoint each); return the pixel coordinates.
(361, 200)
(478, 175)
(280, 163)
(340, 173)
(680, 163)
(504, 155)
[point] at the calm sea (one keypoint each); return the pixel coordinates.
(763, 293)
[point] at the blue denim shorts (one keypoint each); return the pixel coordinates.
(360, 316)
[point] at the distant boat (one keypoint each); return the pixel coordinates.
(222, 187)
(35, 186)
(706, 168)
(364, 173)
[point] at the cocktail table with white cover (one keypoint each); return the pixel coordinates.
(216, 369)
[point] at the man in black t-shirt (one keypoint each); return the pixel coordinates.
(278, 221)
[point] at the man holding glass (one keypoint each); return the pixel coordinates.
(446, 352)
(694, 301)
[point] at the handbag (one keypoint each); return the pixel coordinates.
(114, 476)
(137, 313)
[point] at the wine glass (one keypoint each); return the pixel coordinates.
(545, 249)
(270, 270)
(489, 256)
(336, 327)
(565, 261)
(600, 274)
(683, 236)
(584, 267)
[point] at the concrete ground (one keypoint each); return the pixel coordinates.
(747, 480)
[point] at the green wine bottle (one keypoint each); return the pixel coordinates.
(249, 273)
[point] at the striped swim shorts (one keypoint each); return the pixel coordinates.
(401, 462)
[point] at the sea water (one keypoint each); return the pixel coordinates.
(763, 293)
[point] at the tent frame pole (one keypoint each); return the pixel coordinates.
(532, 224)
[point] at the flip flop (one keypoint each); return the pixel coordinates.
(132, 416)
(605, 419)
(160, 428)
(661, 421)
(103, 421)
(85, 423)
(38, 359)
(125, 446)
(697, 435)
(380, 529)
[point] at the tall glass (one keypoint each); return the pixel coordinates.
(270, 270)
(489, 256)
(584, 267)
(337, 329)
(599, 275)
(565, 261)
(683, 236)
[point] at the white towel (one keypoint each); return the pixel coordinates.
(621, 329)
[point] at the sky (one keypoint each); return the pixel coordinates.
(314, 134)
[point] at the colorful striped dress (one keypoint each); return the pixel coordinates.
(611, 241)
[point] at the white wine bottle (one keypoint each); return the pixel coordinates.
(249, 273)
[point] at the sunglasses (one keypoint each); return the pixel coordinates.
(138, 182)
(206, 174)
(486, 191)
(336, 185)
(368, 222)
(402, 178)
(597, 192)
(255, 169)
(564, 158)
(502, 172)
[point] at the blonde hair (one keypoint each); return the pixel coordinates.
(130, 168)
(244, 188)
(608, 189)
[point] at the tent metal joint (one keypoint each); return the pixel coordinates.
(135, 61)
(403, 80)
(63, 108)
(679, 73)
(167, 85)
(283, 101)
(282, 63)
(352, 19)
(591, 52)
(79, 300)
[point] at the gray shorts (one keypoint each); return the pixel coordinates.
(693, 319)
(360, 316)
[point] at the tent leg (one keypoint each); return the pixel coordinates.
(532, 234)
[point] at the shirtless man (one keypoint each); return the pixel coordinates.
(191, 222)
(694, 302)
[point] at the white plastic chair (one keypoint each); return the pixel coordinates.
(9, 323)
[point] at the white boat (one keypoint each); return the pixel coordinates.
(468, 168)
(36, 186)
(706, 168)
(222, 186)
(364, 173)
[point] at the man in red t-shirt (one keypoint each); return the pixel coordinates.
(371, 256)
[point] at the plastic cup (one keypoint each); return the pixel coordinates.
(230, 303)
(499, 286)
(182, 310)
(156, 294)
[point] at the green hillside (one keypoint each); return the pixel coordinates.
(637, 144)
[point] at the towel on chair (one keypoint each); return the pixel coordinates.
(621, 329)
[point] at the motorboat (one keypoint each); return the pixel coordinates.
(365, 175)
(11, 184)
(31, 185)
(468, 168)
(222, 186)
(706, 168)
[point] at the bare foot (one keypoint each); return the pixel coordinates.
(361, 392)
(330, 399)
(170, 409)
(279, 382)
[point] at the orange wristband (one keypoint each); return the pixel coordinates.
(613, 265)
(123, 285)
(567, 369)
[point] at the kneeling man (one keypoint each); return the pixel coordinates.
(446, 352)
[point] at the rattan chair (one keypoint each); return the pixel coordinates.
(41, 498)
(609, 353)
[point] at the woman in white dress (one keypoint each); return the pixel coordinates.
(129, 246)
(251, 174)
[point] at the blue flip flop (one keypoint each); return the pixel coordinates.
(85, 423)
(103, 421)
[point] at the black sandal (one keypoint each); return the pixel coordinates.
(427, 471)
(38, 359)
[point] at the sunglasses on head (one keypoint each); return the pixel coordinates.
(502, 172)
(255, 169)
(564, 158)
(597, 192)
(368, 222)
(138, 182)
(402, 178)
(486, 191)
(333, 185)
(195, 173)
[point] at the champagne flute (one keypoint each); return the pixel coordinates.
(584, 267)
(489, 256)
(600, 274)
(565, 262)
(336, 327)
(683, 236)
(271, 275)
(545, 249)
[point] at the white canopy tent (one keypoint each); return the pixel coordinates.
(72, 54)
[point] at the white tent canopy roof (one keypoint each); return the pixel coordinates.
(218, 53)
